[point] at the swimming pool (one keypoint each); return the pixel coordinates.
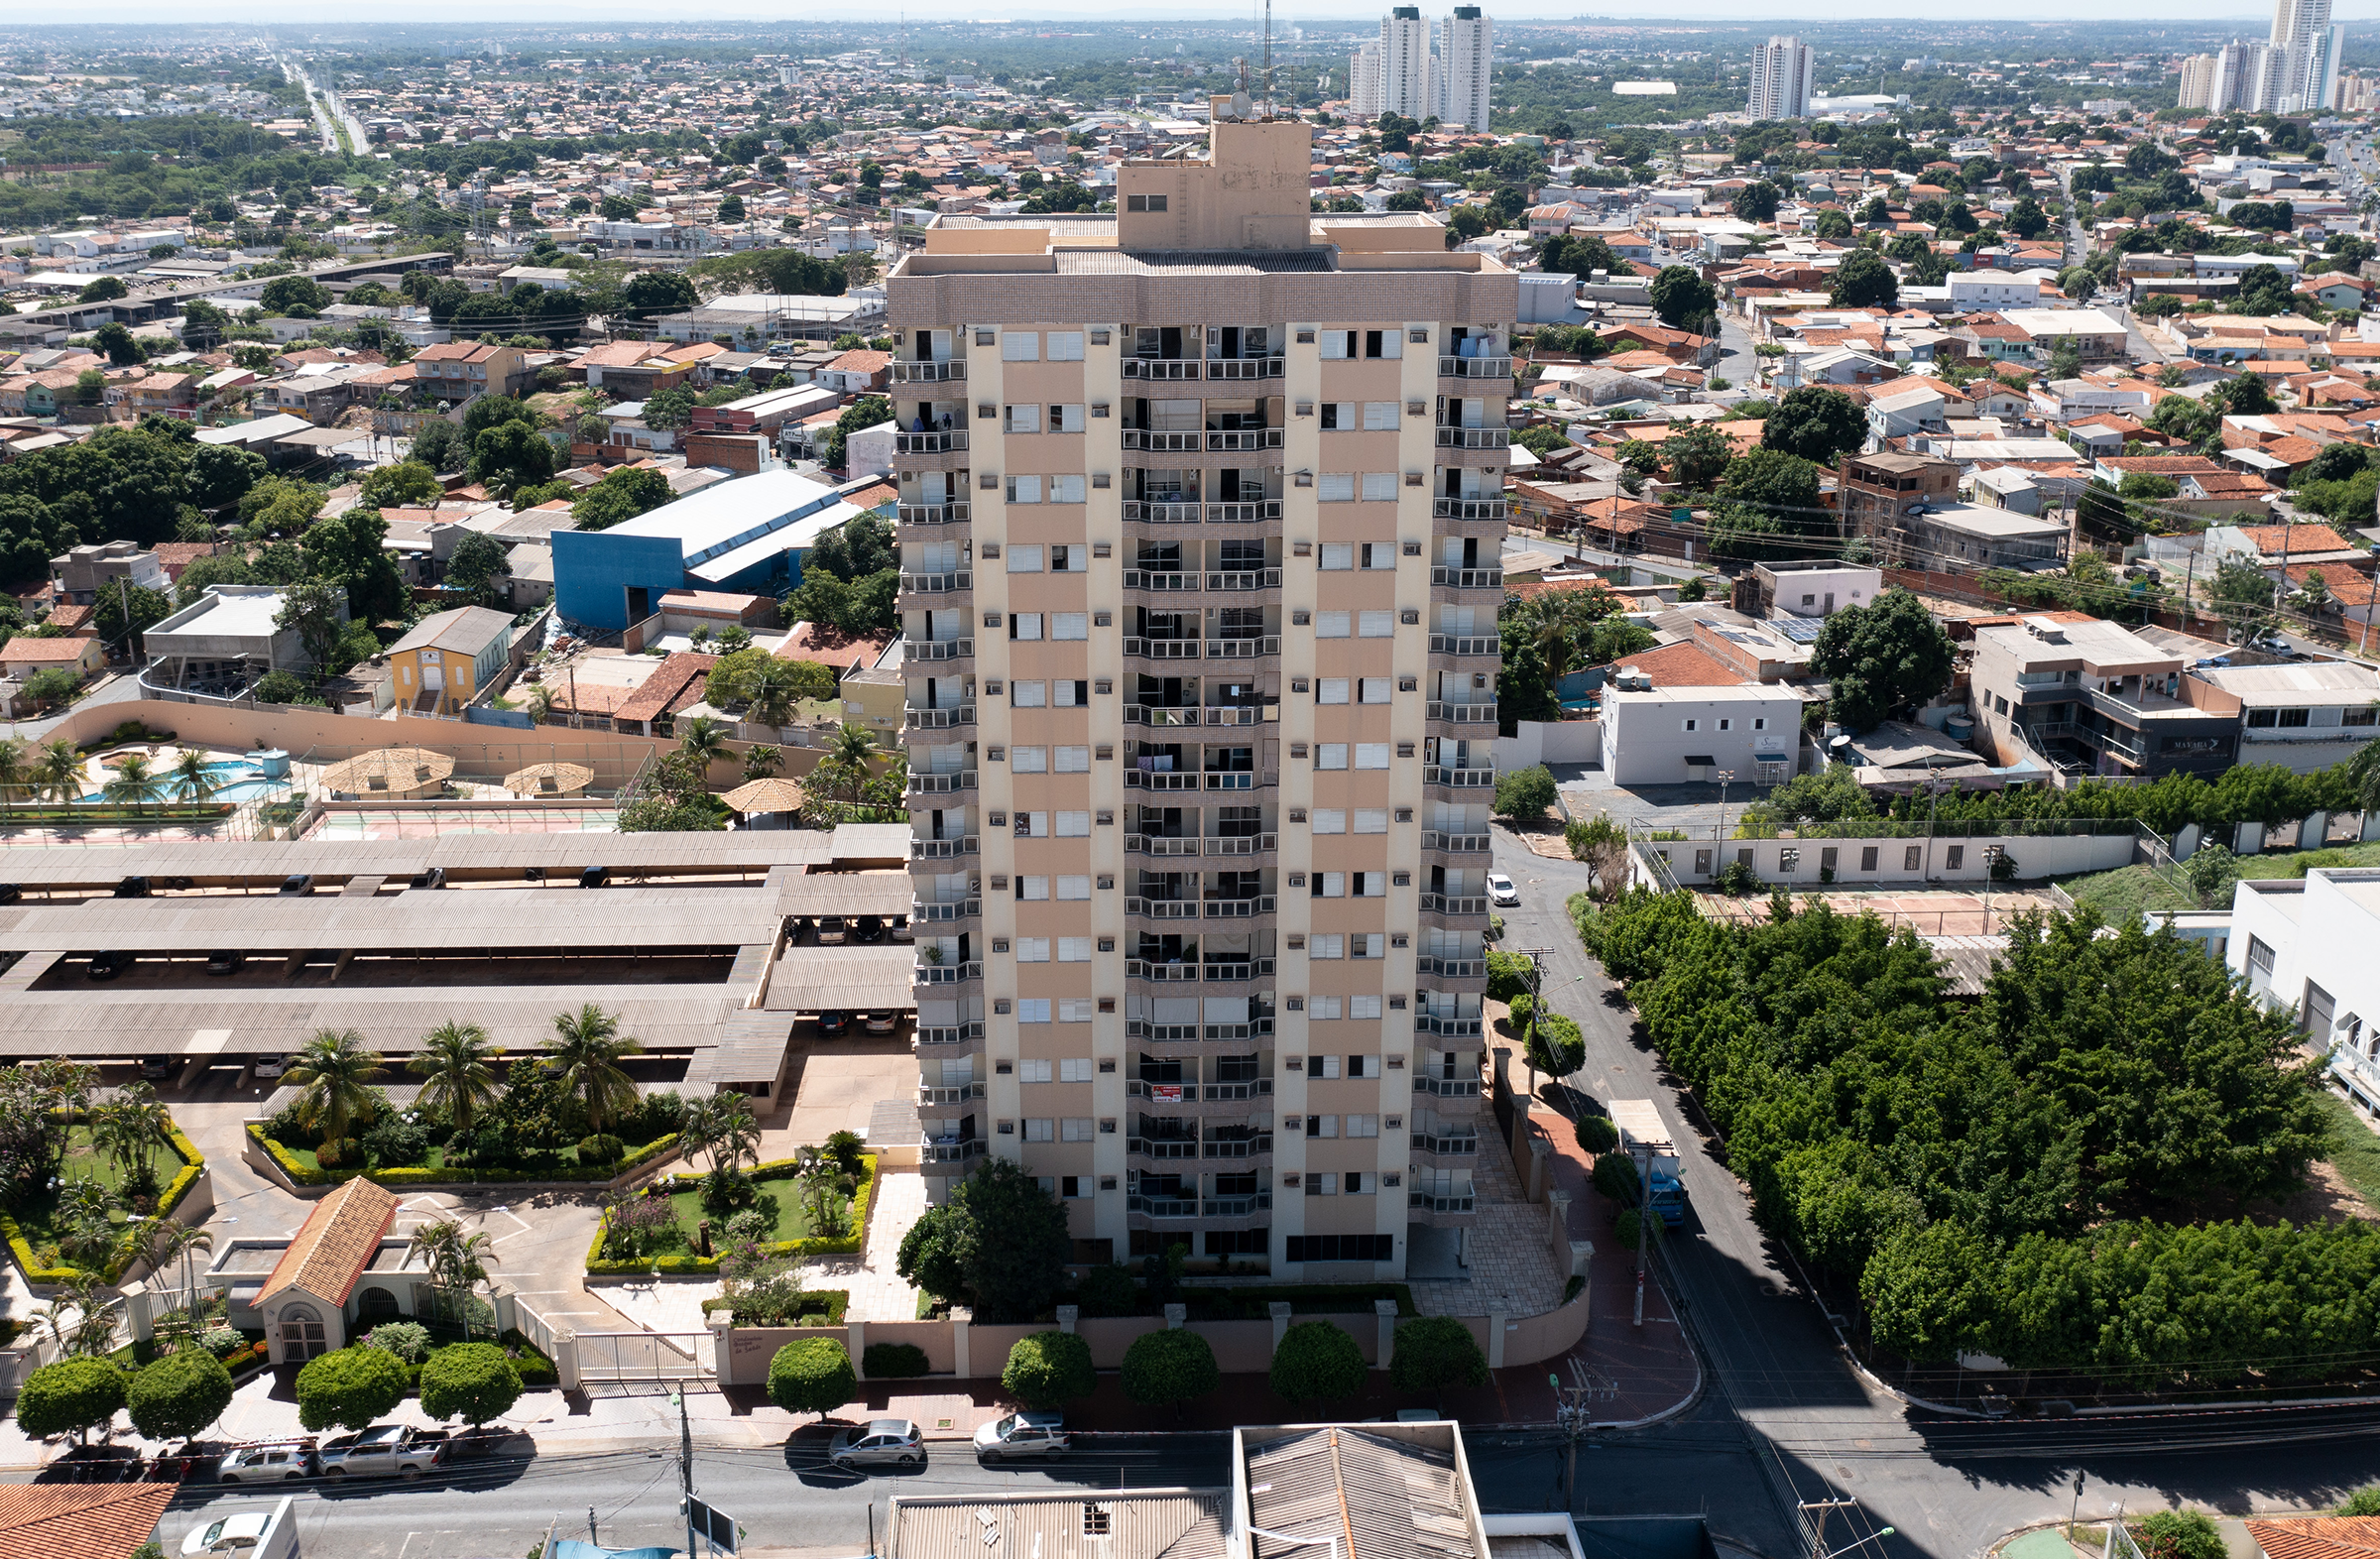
(232, 781)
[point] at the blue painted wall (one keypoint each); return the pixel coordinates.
(593, 572)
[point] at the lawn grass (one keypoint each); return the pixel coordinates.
(84, 1162)
(2126, 894)
(792, 1219)
(2354, 1147)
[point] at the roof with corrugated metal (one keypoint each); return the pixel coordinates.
(1153, 1524)
(1383, 1497)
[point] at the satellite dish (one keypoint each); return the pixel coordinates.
(1242, 107)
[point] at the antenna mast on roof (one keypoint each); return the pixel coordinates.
(1269, 58)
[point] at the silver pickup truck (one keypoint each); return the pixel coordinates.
(383, 1451)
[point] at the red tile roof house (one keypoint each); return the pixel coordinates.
(59, 1521)
(316, 1287)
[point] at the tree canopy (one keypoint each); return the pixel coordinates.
(1815, 423)
(1882, 657)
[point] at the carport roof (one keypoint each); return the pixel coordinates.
(844, 978)
(846, 892)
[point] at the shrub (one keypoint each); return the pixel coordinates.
(393, 1139)
(1169, 1367)
(600, 1148)
(2179, 1534)
(1629, 1229)
(407, 1339)
(847, 1150)
(1317, 1361)
(1107, 1290)
(69, 1397)
(1739, 881)
(349, 1388)
(1507, 976)
(2363, 1501)
(336, 1152)
(1048, 1369)
(726, 1189)
(1556, 1045)
(894, 1362)
(752, 1225)
(1434, 1352)
(473, 1381)
(179, 1394)
(222, 1341)
(1525, 793)
(1597, 1134)
(811, 1375)
(1615, 1176)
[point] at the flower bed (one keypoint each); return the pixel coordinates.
(25, 1233)
(819, 1307)
(688, 1264)
(299, 1164)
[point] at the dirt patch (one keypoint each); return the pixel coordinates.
(1554, 847)
(2327, 1198)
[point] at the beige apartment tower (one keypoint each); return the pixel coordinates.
(1201, 511)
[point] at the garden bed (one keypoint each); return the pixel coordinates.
(302, 1168)
(819, 1307)
(683, 1194)
(31, 1225)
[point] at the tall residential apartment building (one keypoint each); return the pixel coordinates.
(1466, 60)
(1783, 69)
(1364, 84)
(2308, 46)
(1200, 517)
(2197, 88)
(1405, 64)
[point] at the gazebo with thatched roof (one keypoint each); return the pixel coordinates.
(773, 795)
(393, 771)
(550, 779)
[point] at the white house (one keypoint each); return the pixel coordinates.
(1687, 734)
(2305, 946)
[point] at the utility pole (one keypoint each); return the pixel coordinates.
(1814, 1514)
(1528, 1041)
(685, 1467)
(1572, 1418)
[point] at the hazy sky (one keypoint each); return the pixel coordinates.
(602, 12)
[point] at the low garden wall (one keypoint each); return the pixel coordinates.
(276, 1163)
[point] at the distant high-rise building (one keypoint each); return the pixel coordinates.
(1465, 49)
(1363, 81)
(2198, 82)
(1405, 63)
(2245, 79)
(2308, 46)
(1782, 71)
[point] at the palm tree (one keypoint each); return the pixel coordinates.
(587, 1047)
(736, 1133)
(127, 1126)
(774, 696)
(845, 767)
(15, 773)
(134, 783)
(1545, 616)
(61, 772)
(540, 703)
(703, 739)
(168, 1240)
(698, 1130)
(455, 1070)
(334, 1070)
(762, 761)
(190, 780)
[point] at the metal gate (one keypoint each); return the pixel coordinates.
(616, 1356)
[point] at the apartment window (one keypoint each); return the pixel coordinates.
(1075, 1009)
(1033, 1010)
(1382, 554)
(1032, 950)
(1336, 487)
(1330, 754)
(1074, 759)
(1726, 724)
(1070, 625)
(1380, 416)
(1032, 1072)
(1074, 949)
(1362, 1184)
(1076, 1129)
(1074, 1070)
(1066, 346)
(1321, 1184)
(1371, 819)
(1337, 416)
(1329, 885)
(1144, 203)
(1074, 825)
(1040, 1130)
(1335, 345)
(1024, 625)
(1325, 945)
(1031, 888)
(1066, 488)
(1375, 625)
(1336, 555)
(1073, 1188)
(1342, 1247)
(2260, 963)
(1867, 858)
(1029, 760)
(1362, 1006)
(1023, 559)
(1383, 343)
(1322, 1126)
(1078, 888)
(1333, 624)
(1911, 857)
(1027, 695)
(2361, 714)
(1363, 1125)
(1331, 690)
(1024, 419)
(1374, 690)
(1324, 1009)
(1379, 487)
(1329, 820)
(1029, 825)
(1372, 754)
(1019, 346)
(1023, 490)
(1691, 724)
(1788, 859)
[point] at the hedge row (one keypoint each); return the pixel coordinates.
(820, 1307)
(193, 1164)
(408, 1175)
(686, 1263)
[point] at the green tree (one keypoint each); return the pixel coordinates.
(127, 611)
(2263, 290)
(333, 1074)
(867, 411)
(1697, 455)
(650, 293)
(510, 456)
(1317, 1362)
(2179, 1534)
(1886, 656)
(2363, 1501)
(294, 294)
(1834, 227)
(623, 494)
(406, 484)
(456, 1065)
(348, 1388)
(71, 1397)
(1757, 202)
(1000, 1240)
(122, 349)
(585, 1053)
(175, 1398)
(440, 445)
(1169, 1367)
(1047, 1370)
(669, 409)
(317, 611)
(1862, 280)
(811, 1375)
(351, 550)
(1523, 795)
(1434, 1352)
(1683, 300)
(90, 387)
(103, 289)
(1784, 486)
(481, 569)
(473, 1381)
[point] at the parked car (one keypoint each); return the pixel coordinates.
(900, 929)
(1500, 889)
(594, 877)
(880, 1440)
(1022, 1434)
(833, 1023)
(156, 1068)
(880, 1022)
(833, 929)
(272, 1065)
(868, 929)
(106, 966)
(228, 1534)
(383, 1451)
(95, 1464)
(133, 888)
(225, 962)
(269, 1464)
(435, 877)
(298, 883)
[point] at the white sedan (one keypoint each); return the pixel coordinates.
(1500, 889)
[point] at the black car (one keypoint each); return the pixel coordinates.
(593, 877)
(226, 962)
(106, 966)
(133, 888)
(435, 877)
(156, 1068)
(298, 883)
(833, 1023)
(868, 929)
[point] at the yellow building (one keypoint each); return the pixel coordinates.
(448, 658)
